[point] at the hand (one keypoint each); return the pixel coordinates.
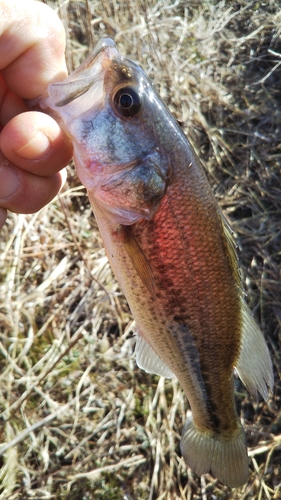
(33, 148)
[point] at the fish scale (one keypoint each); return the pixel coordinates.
(171, 250)
(191, 307)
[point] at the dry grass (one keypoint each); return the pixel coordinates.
(79, 420)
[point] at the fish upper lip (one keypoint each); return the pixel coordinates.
(103, 44)
(105, 51)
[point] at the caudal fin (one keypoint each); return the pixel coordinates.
(224, 457)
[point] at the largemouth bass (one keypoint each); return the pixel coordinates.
(170, 248)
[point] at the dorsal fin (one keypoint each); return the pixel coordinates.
(232, 251)
(254, 365)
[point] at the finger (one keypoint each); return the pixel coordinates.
(3, 216)
(10, 104)
(34, 142)
(32, 43)
(22, 192)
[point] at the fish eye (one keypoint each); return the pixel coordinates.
(128, 101)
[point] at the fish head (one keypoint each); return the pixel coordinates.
(115, 119)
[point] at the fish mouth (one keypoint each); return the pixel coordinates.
(106, 50)
(61, 93)
(104, 43)
(90, 72)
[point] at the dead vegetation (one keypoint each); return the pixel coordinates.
(78, 419)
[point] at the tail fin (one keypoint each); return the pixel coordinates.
(225, 457)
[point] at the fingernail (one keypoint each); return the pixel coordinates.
(38, 147)
(9, 180)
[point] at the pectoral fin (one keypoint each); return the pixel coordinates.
(148, 360)
(137, 258)
(254, 365)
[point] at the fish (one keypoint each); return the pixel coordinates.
(170, 248)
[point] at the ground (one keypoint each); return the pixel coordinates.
(79, 419)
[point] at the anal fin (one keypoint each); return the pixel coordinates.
(254, 365)
(148, 360)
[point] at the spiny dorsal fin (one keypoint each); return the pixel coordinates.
(232, 251)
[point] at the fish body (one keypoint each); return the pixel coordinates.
(170, 248)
